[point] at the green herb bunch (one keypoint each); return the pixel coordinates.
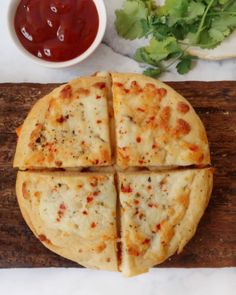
(173, 28)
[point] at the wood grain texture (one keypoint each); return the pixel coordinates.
(214, 244)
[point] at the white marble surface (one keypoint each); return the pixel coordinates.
(113, 54)
(88, 282)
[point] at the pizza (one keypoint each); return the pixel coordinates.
(72, 214)
(67, 128)
(155, 126)
(114, 173)
(160, 212)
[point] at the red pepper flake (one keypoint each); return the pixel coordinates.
(58, 163)
(96, 161)
(62, 206)
(140, 110)
(93, 225)
(149, 187)
(138, 139)
(158, 227)
(89, 199)
(182, 107)
(154, 146)
(118, 84)
(136, 202)
(96, 193)
(98, 96)
(126, 189)
(194, 148)
(62, 119)
(141, 162)
(150, 205)
(126, 90)
(146, 241)
(85, 212)
(150, 120)
(99, 85)
(99, 121)
(60, 212)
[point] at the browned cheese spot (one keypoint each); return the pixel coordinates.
(182, 107)
(66, 92)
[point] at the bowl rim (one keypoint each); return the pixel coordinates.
(102, 15)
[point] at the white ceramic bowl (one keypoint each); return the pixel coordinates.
(101, 30)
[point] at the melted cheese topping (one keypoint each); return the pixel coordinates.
(74, 214)
(155, 126)
(74, 130)
(75, 207)
(153, 207)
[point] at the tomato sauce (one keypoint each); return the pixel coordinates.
(56, 30)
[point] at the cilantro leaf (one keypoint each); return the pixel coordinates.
(185, 65)
(142, 56)
(195, 9)
(216, 35)
(159, 50)
(153, 72)
(175, 9)
(224, 24)
(128, 20)
(221, 27)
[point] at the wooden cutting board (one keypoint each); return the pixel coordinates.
(214, 244)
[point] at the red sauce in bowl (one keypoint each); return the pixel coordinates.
(56, 30)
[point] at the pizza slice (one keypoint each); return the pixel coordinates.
(72, 214)
(68, 128)
(160, 213)
(155, 126)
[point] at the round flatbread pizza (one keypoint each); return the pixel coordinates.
(115, 171)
